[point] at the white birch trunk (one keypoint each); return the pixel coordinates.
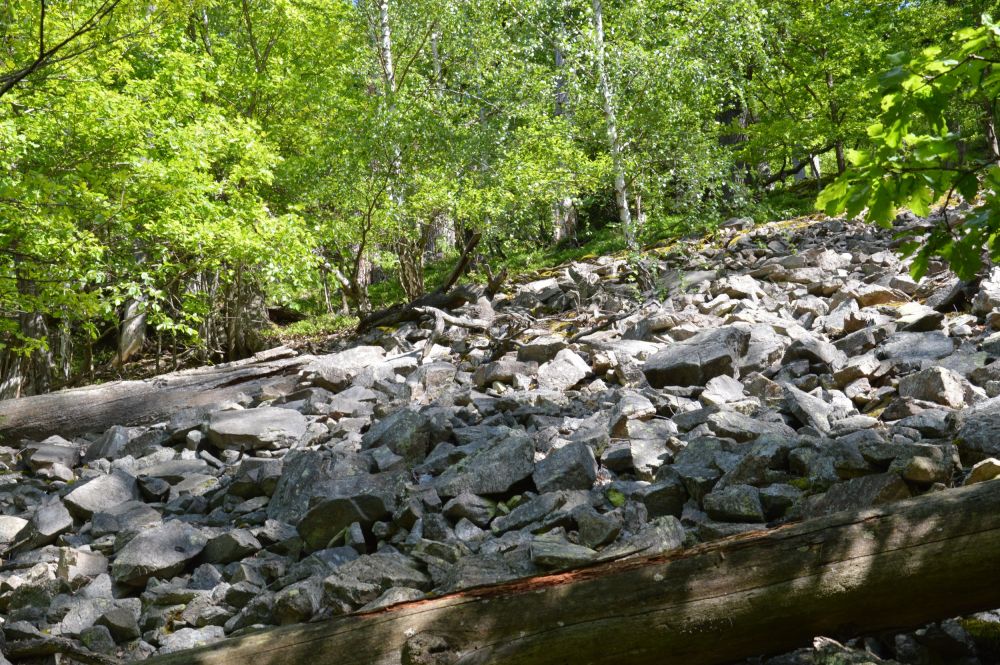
(611, 123)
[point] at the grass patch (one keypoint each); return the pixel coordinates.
(315, 328)
(785, 202)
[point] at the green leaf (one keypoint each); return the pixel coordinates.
(883, 209)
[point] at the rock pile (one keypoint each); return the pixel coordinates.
(793, 372)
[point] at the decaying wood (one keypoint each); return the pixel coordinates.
(444, 297)
(461, 322)
(397, 314)
(463, 263)
(898, 566)
(49, 646)
(95, 408)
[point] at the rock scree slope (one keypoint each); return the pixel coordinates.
(788, 371)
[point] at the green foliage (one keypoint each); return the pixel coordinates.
(195, 160)
(317, 327)
(917, 157)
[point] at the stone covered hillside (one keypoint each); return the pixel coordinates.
(777, 374)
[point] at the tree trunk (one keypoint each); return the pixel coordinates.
(835, 121)
(564, 220)
(895, 567)
(133, 330)
(992, 140)
(95, 408)
(27, 373)
(611, 126)
(411, 267)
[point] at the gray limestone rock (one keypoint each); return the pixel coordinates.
(129, 516)
(231, 546)
(264, 428)
(571, 467)
(189, 638)
(735, 425)
(562, 372)
(472, 507)
(305, 474)
(936, 384)
(502, 371)
(493, 469)
(102, 493)
(979, 431)
(406, 432)
(50, 520)
(256, 476)
(334, 371)
(162, 551)
(329, 517)
(54, 450)
(548, 552)
(736, 503)
(10, 526)
(857, 493)
(708, 354)
(109, 446)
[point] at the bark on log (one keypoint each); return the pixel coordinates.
(95, 408)
(898, 566)
(443, 297)
(411, 311)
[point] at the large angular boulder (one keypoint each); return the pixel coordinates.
(102, 493)
(858, 493)
(163, 551)
(736, 503)
(50, 520)
(503, 371)
(696, 360)
(334, 371)
(562, 372)
(493, 469)
(571, 467)
(327, 518)
(130, 516)
(307, 474)
(256, 476)
(264, 428)
(109, 446)
(916, 346)
(937, 384)
(53, 450)
(406, 432)
(979, 431)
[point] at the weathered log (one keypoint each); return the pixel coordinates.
(897, 566)
(49, 646)
(411, 311)
(444, 297)
(95, 408)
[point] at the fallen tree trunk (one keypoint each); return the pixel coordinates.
(96, 408)
(898, 566)
(444, 297)
(397, 314)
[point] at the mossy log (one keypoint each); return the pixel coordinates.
(894, 567)
(96, 408)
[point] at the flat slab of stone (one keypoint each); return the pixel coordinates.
(265, 428)
(695, 361)
(493, 469)
(163, 551)
(102, 493)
